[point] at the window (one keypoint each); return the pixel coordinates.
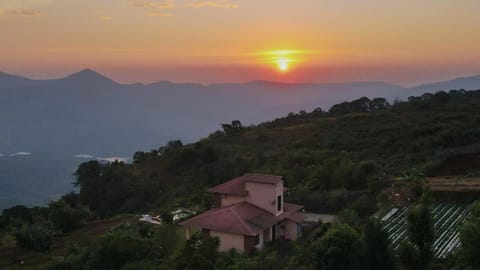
(279, 203)
(257, 239)
(299, 230)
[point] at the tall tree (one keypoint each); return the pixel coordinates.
(339, 249)
(200, 253)
(379, 254)
(470, 237)
(420, 232)
(409, 256)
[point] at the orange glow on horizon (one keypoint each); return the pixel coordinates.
(282, 59)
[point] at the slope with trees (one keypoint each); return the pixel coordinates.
(335, 161)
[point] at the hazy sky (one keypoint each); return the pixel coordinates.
(405, 42)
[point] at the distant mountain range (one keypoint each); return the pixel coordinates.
(87, 114)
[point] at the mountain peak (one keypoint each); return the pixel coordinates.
(467, 83)
(88, 76)
(9, 80)
(88, 71)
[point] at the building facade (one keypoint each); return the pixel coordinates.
(249, 211)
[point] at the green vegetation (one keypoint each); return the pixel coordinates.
(323, 155)
(334, 162)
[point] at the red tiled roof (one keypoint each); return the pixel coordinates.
(290, 211)
(291, 207)
(236, 186)
(262, 178)
(296, 217)
(242, 219)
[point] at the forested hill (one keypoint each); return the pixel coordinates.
(65, 113)
(350, 147)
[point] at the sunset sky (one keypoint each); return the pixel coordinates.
(211, 41)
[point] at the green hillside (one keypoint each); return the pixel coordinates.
(352, 147)
(334, 161)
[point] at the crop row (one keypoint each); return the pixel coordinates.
(446, 216)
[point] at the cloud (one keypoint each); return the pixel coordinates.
(84, 156)
(154, 8)
(152, 5)
(27, 8)
(215, 4)
(20, 154)
(156, 13)
(23, 12)
(105, 18)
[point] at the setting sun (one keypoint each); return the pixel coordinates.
(282, 59)
(283, 65)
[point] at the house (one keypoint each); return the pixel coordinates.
(249, 211)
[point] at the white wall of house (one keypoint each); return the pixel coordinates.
(260, 243)
(229, 241)
(228, 200)
(265, 196)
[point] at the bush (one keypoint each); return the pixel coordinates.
(349, 216)
(339, 249)
(18, 212)
(63, 265)
(200, 252)
(115, 251)
(65, 218)
(38, 237)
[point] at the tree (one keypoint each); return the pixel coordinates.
(262, 261)
(171, 146)
(200, 253)
(92, 188)
(18, 212)
(166, 217)
(409, 256)
(64, 217)
(420, 232)
(379, 104)
(363, 206)
(418, 185)
(234, 127)
(420, 226)
(167, 238)
(470, 237)
(71, 199)
(115, 251)
(349, 216)
(318, 111)
(339, 249)
(379, 255)
(104, 187)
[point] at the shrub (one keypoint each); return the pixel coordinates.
(38, 237)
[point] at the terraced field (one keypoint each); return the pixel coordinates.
(447, 217)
